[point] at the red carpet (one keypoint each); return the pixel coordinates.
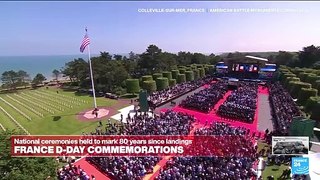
(201, 118)
(213, 117)
(263, 90)
(91, 170)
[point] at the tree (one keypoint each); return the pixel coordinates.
(309, 56)
(10, 79)
(284, 58)
(56, 73)
(77, 70)
(117, 57)
(150, 59)
(38, 79)
(105, 55)
(23, 168)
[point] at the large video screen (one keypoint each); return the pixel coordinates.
(245, 67)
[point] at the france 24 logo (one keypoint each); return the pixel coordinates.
(300, 165)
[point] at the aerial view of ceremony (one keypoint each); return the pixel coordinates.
(159, 90)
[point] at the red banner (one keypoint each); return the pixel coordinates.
(53, 146)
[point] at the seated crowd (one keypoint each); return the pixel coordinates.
(167, 123)
(283, 108)
(72, 172)
(227, 167)
(159, 97)
(241, 104)
(205, 99)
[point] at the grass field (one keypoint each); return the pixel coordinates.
(273, 170)
(44, 111)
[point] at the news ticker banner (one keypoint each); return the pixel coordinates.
(139, 146)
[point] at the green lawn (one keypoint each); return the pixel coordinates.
(58, 116)
(273, 170)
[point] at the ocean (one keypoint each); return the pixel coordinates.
(37, 64)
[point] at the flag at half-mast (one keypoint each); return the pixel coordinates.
(85, 42)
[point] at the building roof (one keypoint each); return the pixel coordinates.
(257, 58)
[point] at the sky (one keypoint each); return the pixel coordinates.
(57, 28)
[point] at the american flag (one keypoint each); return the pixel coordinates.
(85, 42)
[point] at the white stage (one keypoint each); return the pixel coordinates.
(125, 111)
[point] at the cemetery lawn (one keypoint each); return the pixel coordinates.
(51, 113)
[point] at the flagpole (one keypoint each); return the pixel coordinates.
(91, 77)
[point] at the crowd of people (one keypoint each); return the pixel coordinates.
(72, 172)
(165, 95)
(215, 167)
(241, 104)
(283, 107)
(167, 123)
(205, 99)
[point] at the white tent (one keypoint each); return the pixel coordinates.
(314, 170)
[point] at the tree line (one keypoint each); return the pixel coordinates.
(110, 72)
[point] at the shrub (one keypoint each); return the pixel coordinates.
(172, 82)
(132, 85)
(162, 83)
(181, 78)
(312, 78)
(311, 102)
(284, 76)
(167, 74)
(290, 79)
(189, 76)
(303, 76)
(196, 74)
(315, 113)
(175, 74)
(296, 86)
(146, 78)
(317, 85)
(305, 94)
(182, 71)
(150, 86)
(199, 65)
(206, 70)
(156, 76)
(201, 72)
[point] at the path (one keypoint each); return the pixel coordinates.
(91, 170)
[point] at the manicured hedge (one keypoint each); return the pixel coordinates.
(162, 83)
(317, 85)
(181, 78)
(156, 76)
(189, 76)
(303, 76)
(167, 74)
(182, 71)
(150, 86)
(196, 74)
(290, 79)
(315, 113)
(311, 102)
(284, 76)
(172, 82)
(146, 78)
(305, 94)
(297, 71)
(175, 74)
(201, 72)
(132, 85)
(295, 88)
(206, 70)
(312, 80)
